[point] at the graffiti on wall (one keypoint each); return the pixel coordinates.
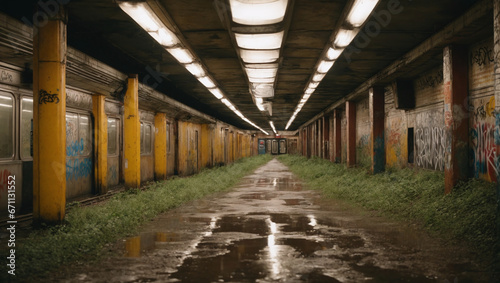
(482, 55)
(482, 139)
(430, 80)
(430, 140)
(78, 169)
(396, 142)
(75, 148)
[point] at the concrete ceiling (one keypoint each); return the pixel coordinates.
(102, 30)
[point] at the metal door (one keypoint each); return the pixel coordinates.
(282, 146)
(262, 146)
(78, 155)
(113, 152)
(275, 149)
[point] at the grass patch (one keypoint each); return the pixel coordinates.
(410, 194)
(88, 229)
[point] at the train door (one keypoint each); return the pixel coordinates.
(268, 146)
(282, 146)
(226, 147)
(113, 151)
(147, 154)
(78, 154)
(275, 146)
(262, 146)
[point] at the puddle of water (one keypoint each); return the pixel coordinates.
(259, 196)
(242, 224)
(376, 274)
(239, 264)
(135, 246)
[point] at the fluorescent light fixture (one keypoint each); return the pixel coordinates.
(260, 106)
(306, 96)
(360, 11)
(259, 56)
(216, 92)
(309, 91)
(165, 37)
(262, 90)
(182, 55)
(142, 14)
(325, 66)
(207, 82)
(272, 127)
(318, 77)
(262, 80)
(344, 37)
(333, 53)
(260, 40)
(238, 113)
(258, 12)
(261, 73)
(196, 69)
(313, 85)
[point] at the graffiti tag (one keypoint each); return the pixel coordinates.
(45, 97)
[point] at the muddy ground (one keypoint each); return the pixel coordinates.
(271, 229)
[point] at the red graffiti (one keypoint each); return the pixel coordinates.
(4, 180)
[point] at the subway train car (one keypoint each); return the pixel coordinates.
(174, 138)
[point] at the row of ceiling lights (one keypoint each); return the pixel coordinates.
(142, 13)
(259, 51)
(358, 14)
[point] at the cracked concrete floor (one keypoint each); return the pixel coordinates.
(270, 229)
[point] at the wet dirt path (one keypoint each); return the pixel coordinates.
(270, 229)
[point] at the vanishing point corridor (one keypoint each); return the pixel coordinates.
(271, 229)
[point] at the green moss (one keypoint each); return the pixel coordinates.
(416, 195)
(89, 229)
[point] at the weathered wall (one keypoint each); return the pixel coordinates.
(363, 133)
(482, 152)
(344, 136)
(396, 144)
(171, 136)
(207, 141)
(189, 145)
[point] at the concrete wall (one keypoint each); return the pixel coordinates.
(363, 133)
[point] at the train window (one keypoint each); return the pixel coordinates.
(84, 134)
(26, 126)
(6, 126)
(73, 144)
(145, 138)
(112, 136)
(168, 137)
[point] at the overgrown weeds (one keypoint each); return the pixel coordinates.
(89, 229)
(467, 214)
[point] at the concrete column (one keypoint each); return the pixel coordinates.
(496, 52)
(160, 146)
(131, 135)
(350, 108)
(455, 74)
(377, 121)
(49, 120)
(100, 144)
(337, 136)
(326, 137)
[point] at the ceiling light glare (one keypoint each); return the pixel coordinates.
(182, 55)
(325, 66)
(207, 82)
(165, 37)
(318, 77)
(259, 56)
(344, 37)
(196, 69)
(313, 85)
(142, 14)
(309, 91)
(217, 93)
(260, 40)
(333, 54)
(360, 11)
(261, 73)
(238, 113)
(258, 12)
(306, 96)
(261, 80)
(272, 127)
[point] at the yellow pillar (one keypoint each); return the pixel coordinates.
(131, 137)
(100, 144)
(49, 120)
(160, 146)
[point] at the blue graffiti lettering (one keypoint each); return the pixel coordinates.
(78, 168)
(75, 148)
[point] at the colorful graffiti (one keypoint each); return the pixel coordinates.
(482, 139)
(430, 140)
(78, 168)
(75, 148)
(396, 146)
